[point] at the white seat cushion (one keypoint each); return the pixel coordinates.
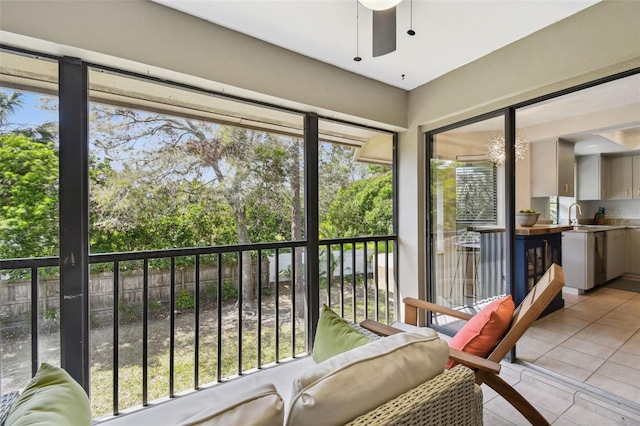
(181, 408)
(381, 370)
(261, 406)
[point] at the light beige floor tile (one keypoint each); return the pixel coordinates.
(561, 421)
(585, 314)
(601, 303)
(564, 319)
(633, 344)
(542, 400)
(611, 410)
(492, 419)
(535, 346)
(632, 304)
(608, 339)
(503, 409)
(614, 293)
(628, 359)
(620, 319)
(546, 335)
(558, 327)
(621, 373)
(527, 355)
(615, 387)
(563, 368)
(577, 358)
(488, 394)
(581, 416)
(604, 335)
(589, 348)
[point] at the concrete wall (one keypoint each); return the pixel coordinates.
(597, 42)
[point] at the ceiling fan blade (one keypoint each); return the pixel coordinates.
(384, 31)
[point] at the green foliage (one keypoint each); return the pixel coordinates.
(363, 208)
(185, 300)
(229, 290)
(50, 319)
(28, 198)
(443, 191)
(128, 312)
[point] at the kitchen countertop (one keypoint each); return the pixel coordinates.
(540, 229)
(525, 230)
(597, 228)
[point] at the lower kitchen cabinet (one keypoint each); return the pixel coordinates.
(633, 235)
(616, 253)
(534, 255)
(578, 255)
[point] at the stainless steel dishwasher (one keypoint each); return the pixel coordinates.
(600, 261)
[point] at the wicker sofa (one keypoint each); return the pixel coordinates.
(350, 388)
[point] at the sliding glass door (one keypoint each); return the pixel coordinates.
(467, 219)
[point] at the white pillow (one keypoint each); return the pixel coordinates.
(259, 406)
(355, 382)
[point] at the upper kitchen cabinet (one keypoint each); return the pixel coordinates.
(552, 164)
(593, 177)
(636, 176)
(625, 177)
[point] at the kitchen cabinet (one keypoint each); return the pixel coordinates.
(633, 235)
(593, 177)
(534, 254)
(616, 253)
(578, 255)
(621, 178)
(553, 164)
(636, 176)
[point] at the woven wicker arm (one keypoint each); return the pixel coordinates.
(451, 398)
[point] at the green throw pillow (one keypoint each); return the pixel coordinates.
(334, 336)
(51, 398)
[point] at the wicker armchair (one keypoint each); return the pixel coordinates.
(451, 398)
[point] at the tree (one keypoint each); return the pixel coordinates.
(363, 208)
(28, 197)
(28, 185)
(10, 104)
(246, 169)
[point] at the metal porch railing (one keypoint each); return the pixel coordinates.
(164, 322)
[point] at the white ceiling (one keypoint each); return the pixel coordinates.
(449, 33)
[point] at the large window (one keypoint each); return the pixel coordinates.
(29, 215)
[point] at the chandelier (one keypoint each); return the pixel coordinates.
(495, 149)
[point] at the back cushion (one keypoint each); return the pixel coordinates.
(259, 406)
(483, 332)
(52, 397)
(350, 384)
(334, 335)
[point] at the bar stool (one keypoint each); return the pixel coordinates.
(467, 252)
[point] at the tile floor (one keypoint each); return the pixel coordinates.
(581, 364)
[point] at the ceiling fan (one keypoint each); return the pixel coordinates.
(384, 25)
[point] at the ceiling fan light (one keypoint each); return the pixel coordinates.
(379, 4)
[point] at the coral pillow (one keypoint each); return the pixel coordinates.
(483, 332)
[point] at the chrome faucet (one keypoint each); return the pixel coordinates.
(574, 221)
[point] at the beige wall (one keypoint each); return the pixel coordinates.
(597, 42)
(149, 38)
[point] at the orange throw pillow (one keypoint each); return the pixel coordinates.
(483, 332)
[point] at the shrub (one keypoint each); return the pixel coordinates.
(185, 300)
